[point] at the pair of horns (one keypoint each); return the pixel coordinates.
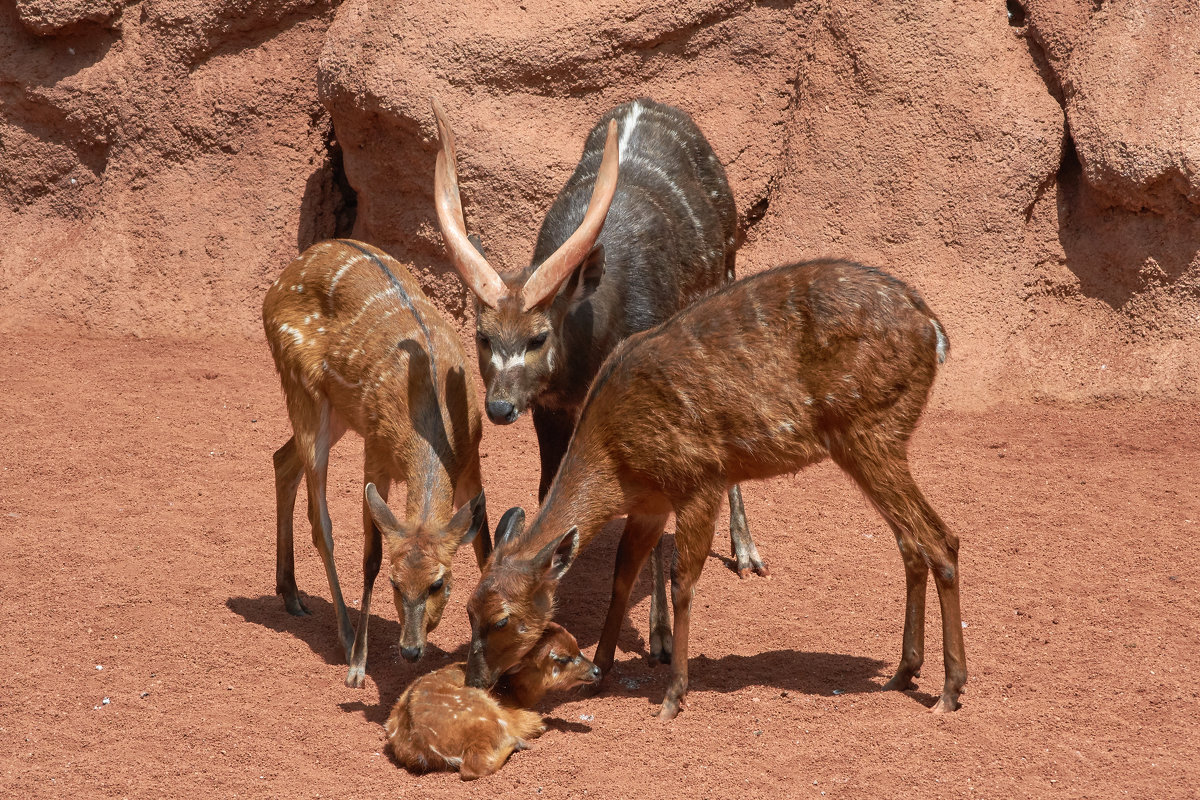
(479, 275)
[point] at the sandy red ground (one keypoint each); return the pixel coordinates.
(137, 507)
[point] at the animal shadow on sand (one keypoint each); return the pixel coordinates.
(582, 603)
(390, 672)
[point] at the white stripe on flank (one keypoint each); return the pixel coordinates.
(337, 276)
(662, 173)
(635, 111)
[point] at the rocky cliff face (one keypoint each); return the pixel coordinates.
(1031, 168)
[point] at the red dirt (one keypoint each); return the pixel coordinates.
(137, 502)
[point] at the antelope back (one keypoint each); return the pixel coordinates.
(349, 321)
(830, 349)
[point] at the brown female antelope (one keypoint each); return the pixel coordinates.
(357, 345)
(766, 376)
(440, 723)
(643, 227)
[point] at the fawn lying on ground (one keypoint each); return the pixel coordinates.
(644, 226)
(358, 345)
(763, 377)
(440, 723)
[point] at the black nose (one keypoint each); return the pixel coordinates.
(501, 412)
(410, 653)
(594, 673)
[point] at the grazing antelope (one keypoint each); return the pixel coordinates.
(358, 345)
(440, 723)
(766, 376)
(644, 226)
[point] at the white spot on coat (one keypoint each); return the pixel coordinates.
(296, 335)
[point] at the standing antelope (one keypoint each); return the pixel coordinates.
(766, 376)
(643, 227)
(357, 345)
(440, 723)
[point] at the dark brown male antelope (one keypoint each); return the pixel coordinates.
(358, 345)
(644, 226)
(440, 723)
(771, 374)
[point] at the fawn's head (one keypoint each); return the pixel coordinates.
(514, 601)
(418, 567)
(560, 664)
(554, 664)
(519, 317)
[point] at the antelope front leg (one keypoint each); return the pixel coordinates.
(372, 558)
(641, 534)
(693, 539)
(742, 546)
(315, 476)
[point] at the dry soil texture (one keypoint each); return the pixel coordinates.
(138, 569)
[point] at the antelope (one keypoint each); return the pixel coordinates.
(644, 226)
(764, 377)
(440, 723)
(358, 346)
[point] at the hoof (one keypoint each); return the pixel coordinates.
(660, 648)
(670, 709)
(945, 704)
(899, 683)
(356, 676)
(748, 566)
(295, 607)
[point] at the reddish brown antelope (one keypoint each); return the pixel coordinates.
(766, 376)
(440, 723)
(358, 345)
(644, 226)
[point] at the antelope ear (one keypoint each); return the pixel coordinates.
(383, 516)
(510, 525)
(558, 556)
(586, 277)
(468, 520)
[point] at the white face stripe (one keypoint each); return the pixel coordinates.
(503, 364)
(635, 111)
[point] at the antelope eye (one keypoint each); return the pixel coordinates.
(561, 659)
(482, 339)
(536, 342)
(437, 585)
(500, 623)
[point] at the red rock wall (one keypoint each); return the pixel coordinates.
(1032, 169)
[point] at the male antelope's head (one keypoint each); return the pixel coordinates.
(514, 601)
(519, 316)
(419, 558)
